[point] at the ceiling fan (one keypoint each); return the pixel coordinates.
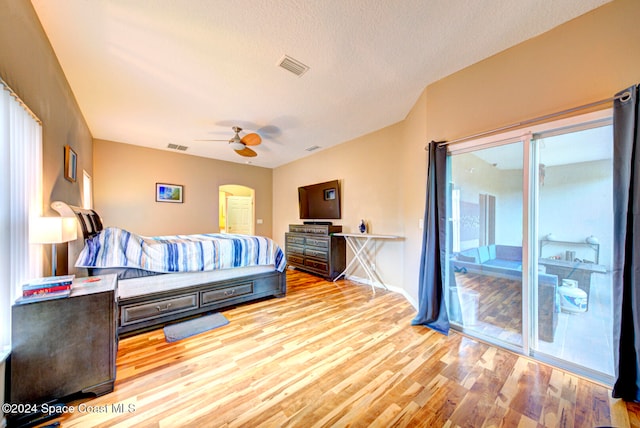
(240, 144)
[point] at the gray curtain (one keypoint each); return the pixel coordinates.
(626, 250)
(432, 311)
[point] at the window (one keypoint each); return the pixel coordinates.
(87, 193)
(21, 184)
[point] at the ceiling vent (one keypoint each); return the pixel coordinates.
(312, 148)
(177, 147)
(293, 65)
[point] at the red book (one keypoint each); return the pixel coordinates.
(46, 290)
(44, 296)
(50, 281)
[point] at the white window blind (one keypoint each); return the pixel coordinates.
(20, 200)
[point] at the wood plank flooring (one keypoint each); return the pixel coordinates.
(334, 354)
(499, 309)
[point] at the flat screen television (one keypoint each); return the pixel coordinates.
(320, 201)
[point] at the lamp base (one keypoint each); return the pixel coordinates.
(54, 259)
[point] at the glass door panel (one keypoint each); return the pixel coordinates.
(485, 283)
(575, 241)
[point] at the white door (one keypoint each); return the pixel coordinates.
(240, 215)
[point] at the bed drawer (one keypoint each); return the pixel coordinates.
(135, 313)
(214, 296)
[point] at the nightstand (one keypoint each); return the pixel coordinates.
(64, 346)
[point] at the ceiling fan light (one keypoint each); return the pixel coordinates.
(236, 145)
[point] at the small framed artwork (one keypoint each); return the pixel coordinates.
(169, 193)
(329, 194)
(70, 163)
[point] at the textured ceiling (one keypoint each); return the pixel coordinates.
(155, 72)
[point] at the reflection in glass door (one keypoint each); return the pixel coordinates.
(575, 241)
(485, 271)
(530, 244)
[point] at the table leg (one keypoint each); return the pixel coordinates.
(362, 259)
(353, 260)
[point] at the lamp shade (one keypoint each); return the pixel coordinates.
(52, 230)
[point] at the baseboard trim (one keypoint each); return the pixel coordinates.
(393, 288)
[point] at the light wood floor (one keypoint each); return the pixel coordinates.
(333, 354)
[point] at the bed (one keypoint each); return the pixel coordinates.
(155, 290)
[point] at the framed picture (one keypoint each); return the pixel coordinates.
(169, 193)
(70, 163)
(329, 194)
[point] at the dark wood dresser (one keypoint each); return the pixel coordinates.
(311, 247)
(64, 346)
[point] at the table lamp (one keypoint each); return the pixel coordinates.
(52, 230)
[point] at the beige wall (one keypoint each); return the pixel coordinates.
(30, 67)
(414, 185)
(370, 190)
(124, 189)
(584, 60)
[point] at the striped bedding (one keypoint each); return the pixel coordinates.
(114, 247)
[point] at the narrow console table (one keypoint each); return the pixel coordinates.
(359, 242)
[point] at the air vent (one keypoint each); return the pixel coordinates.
(293, 65)
(177, 147)
(312, 148)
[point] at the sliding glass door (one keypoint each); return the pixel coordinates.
(575, 238)
(530, 243)
(485, 294)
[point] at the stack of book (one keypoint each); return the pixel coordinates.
(51, 287)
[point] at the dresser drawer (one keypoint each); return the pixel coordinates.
(318, 254)
(317, 265)
(136, 313)
(214, 296)
(308, 228)
(320, 243)
(292, 249)
(293, 259)
(294, 239)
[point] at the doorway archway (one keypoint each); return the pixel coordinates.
(237, 206)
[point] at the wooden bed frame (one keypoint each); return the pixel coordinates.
(162, 305)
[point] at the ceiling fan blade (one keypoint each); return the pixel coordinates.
(247, 152)
(252, 139)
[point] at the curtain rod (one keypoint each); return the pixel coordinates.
(625, 96)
